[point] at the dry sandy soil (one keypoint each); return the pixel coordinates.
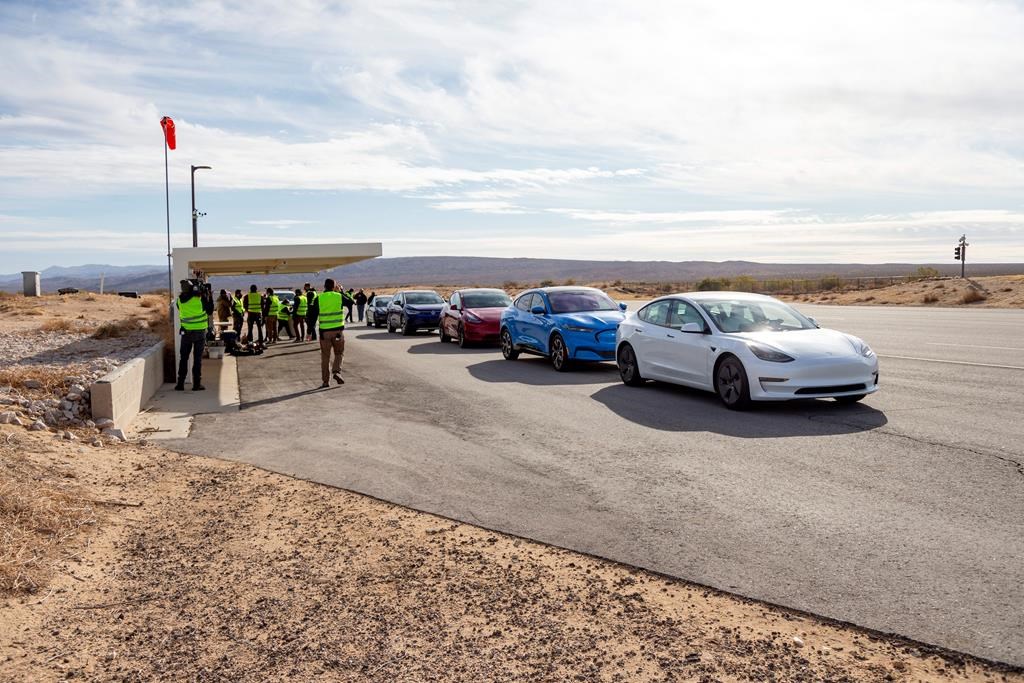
(84, 311)
(188, 568)
(1006, 291)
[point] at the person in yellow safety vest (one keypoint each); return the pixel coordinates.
(237, 313)
(271, 305)
(194, 311)
(299, 315)
(310, 313)
(254, 311)
(284, 317)
(327, 309)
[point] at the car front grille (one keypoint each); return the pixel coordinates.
(838, 389)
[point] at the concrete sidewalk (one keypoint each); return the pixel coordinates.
(170, 413)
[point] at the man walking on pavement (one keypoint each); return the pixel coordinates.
(310, 312)
(194, 311)
(327, 309)
(271, 305)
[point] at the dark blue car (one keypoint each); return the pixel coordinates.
(563, 323)
(415, 309)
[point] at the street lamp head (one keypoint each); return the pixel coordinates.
(196, 168)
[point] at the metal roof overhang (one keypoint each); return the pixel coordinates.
(272, 259)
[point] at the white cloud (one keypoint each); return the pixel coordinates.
(497, 207)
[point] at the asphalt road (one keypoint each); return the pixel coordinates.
(904, 513)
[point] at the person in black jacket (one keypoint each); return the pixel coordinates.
(360, 303)
(192, 341)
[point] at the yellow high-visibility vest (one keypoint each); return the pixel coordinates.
(252, 302)
(331, 315)
(192, 315)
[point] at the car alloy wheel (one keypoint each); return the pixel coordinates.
(406, 329)
(559, 354)
(731, 384)
(461, 336)
(444, 335)
(507, 349)
(391, 325)
(629, 369)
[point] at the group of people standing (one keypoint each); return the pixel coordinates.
(309, 315)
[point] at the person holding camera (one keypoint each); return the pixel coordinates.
(195, 307)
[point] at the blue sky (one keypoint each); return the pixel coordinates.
(807, 131)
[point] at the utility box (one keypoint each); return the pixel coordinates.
(31, 283)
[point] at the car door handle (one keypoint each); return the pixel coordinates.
(670, 336)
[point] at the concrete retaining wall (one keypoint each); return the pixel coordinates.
(121, 394)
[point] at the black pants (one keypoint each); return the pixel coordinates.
(255, 319)
(192, 343)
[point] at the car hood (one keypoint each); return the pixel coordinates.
(817, 343)
(595, 319)
(488, 314)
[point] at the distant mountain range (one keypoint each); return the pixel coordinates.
(473, 270)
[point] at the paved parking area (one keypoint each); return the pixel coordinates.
(902, 513)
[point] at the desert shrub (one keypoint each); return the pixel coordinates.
(743, 283)
(148, 303)
(510, 284)
(61, 325)
(929, 299)
(617, 283)
(869, 298)
(118, 328)
(941, 285)
(1006, 289)
(570, 282)
(831, 282)
(713, 284)
(33, 311)
(666, 288)
(547, 283)
(924, 272)
(972, 296)
(91, 297)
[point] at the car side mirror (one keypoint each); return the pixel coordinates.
(538, 310)
(622, 306)
(692, 328)
(814, 322)
(453, 307)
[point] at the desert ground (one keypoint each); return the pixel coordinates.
(124, 561)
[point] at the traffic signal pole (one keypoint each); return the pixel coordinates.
(960, 254)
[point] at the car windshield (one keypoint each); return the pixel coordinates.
(421, 298)
(577, 302)
(485, 300)
(382, 301)
(739, 315)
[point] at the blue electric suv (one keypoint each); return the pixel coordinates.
(563, 323)
(414, 309)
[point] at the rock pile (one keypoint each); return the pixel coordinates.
(67, 363)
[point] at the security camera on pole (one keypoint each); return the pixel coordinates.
(960, 254)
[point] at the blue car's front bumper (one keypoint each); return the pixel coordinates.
(594, 345)
(423, 318)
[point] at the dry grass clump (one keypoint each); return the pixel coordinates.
(972, 296)
(929, 299)
(149, 303)
(63, 325)
(40, 511)
(33, 311)
(118, 328)
(16, 375)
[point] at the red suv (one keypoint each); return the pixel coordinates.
(473, 315)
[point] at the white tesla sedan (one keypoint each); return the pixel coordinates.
(744, 347)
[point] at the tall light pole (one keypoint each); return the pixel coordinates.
(195, 214)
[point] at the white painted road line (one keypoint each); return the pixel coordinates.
(978, 346)
(955, 362)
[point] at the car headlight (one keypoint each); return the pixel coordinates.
(863, 349)
(472, 318)
(412, 309)
(575, 328)
(769, 354)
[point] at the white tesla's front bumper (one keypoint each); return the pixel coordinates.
(818, 378)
